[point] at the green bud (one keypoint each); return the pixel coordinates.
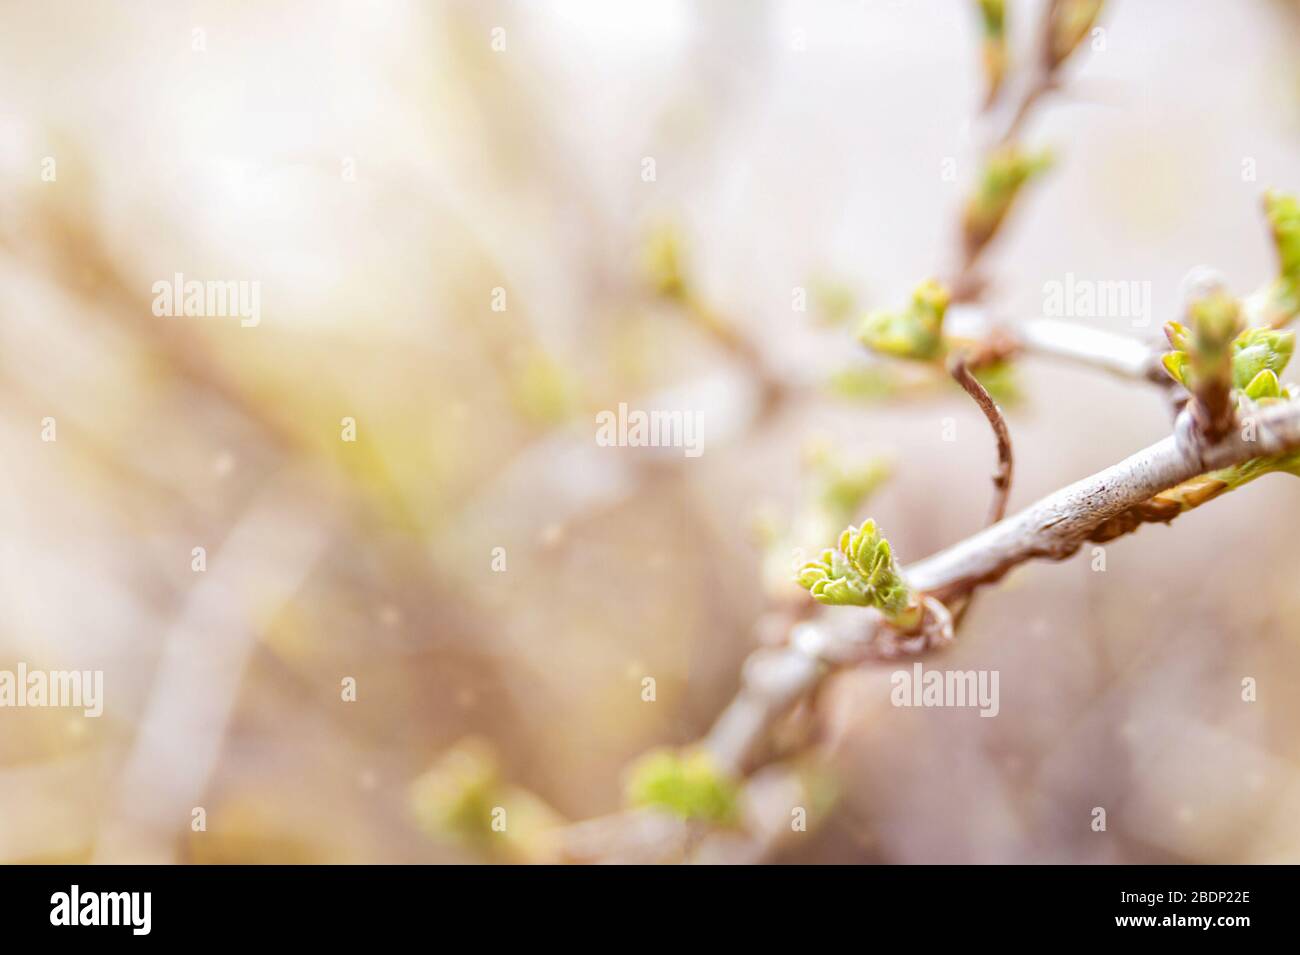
(686, 784)
(993, 15)
(915, 333)
(1283, 213)
(1180, 337)
(1260, 349)
(993, 48)
(1071, 21)
(1203, 357)
(1005, 172)
(862, 573)
(1216, 321)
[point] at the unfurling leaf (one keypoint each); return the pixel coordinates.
(1201, 363)
(862, 572)
(1264, 386)
(1260, 349)
(1175, 363)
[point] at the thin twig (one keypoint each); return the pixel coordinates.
(1040, 87)
(1002, 476)
(1045, 78)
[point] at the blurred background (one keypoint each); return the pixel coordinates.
(498, 585)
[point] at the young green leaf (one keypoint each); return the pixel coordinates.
(1264, 386)
(1260, 349)
(862, 572)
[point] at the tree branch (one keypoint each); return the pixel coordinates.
(775, 679)
(1057, 525)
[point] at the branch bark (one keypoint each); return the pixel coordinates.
(1057, 525)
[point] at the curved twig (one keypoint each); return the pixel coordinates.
(1002, 476)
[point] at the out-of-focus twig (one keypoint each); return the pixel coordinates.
(196, 684)
(1120, 355)
(1064, 25)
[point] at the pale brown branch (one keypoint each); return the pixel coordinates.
(1058, 524)
(1121, 355)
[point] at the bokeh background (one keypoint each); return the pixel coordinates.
(380, 169)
